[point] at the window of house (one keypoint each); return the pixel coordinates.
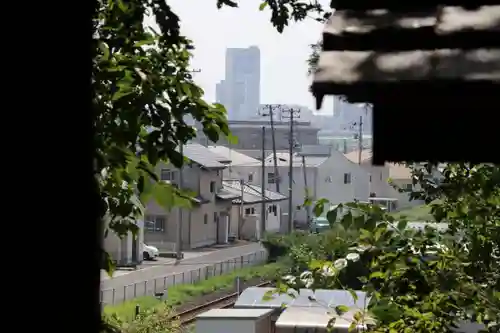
(250, 177)
(205, 219)
(168, 175)
(272, 209)
(212, 187)
(370, 178)
(249, 211)
(270, 177)
(347, 178)
(408, 187)
(154, 223)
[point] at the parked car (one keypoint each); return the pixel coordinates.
(321, 223)
(149, 252)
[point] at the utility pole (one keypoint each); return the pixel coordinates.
(270, 109)
(263, 188)
(360, 139)
(178, 245)
(291, 115)
(242, 208)
(306, 189)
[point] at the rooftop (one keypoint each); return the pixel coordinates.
(235, 158)
(396, 171)
(307, 298)
(204, 157)
(353, 156)
(251, 193)
(283, 160)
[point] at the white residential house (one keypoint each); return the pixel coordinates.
(379, 176)
(332, 177)
(246, 212)
(207, 221)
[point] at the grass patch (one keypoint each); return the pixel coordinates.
(416, 213)
(183, 293)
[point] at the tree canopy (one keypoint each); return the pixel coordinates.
(426, 279)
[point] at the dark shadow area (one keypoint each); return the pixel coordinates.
(427, 105)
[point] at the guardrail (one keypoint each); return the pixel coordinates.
(201, 272)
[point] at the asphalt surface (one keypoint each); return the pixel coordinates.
(152, 279)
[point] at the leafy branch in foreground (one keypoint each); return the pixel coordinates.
(143, 90)
(416, 279)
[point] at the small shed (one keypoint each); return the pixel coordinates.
(431, 69)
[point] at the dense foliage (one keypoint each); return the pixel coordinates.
(417, 279)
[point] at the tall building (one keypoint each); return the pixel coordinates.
(240, 89)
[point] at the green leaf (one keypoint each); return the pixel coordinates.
(402, 225)
(108, 263)
(341, 309)
(377, 275)
(331, 216)
(263, 5)
(353, 294)
(319, 207)
(122, 5)
(346, 221)
(164, 195)
(104, 49)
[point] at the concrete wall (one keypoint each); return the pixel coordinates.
(249, 228)
(122, 249)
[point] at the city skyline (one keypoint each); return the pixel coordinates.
(283, 73)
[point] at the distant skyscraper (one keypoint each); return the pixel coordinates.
(240, 90)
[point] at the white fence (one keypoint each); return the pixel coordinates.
(160, 284)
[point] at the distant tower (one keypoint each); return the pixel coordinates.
(240, 89)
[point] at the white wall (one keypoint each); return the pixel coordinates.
(325, 181)
(336, 191)
(120, 249)
(220, 325)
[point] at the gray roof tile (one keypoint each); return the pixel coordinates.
(203, 156)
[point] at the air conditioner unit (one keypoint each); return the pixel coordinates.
(235, 321)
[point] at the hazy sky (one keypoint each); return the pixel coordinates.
(284, 76)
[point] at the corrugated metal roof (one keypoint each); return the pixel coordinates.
(227, 194)
(307, 298)
(235, 158)
(203, 156)
(251, 193)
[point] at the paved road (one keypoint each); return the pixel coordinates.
(148, 280)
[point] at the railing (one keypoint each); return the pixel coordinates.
(160, 284)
